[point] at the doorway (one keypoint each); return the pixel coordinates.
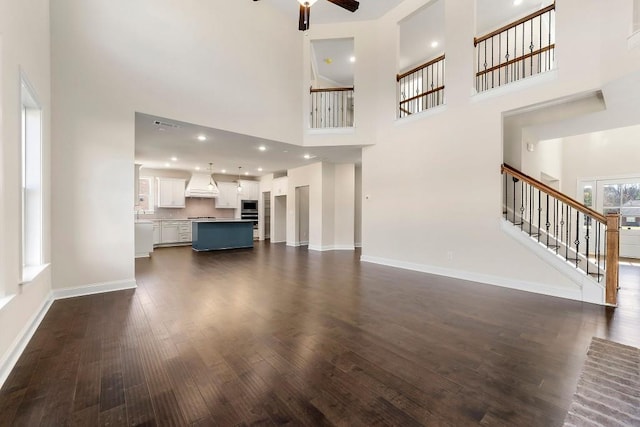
(279, 231)
(266, 218)
(302, 216)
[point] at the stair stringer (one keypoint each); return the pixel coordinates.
(591, 291)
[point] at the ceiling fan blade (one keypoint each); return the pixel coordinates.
(305, 14)
(350, 5)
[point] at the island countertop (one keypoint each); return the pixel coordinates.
(221, 220)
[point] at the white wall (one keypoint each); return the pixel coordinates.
(358, 207)
(612, 153)
(24, 45)
(344, 206)
(192, 61)
(446, 164)
(312, 176)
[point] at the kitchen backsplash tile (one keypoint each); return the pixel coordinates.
(194, 207)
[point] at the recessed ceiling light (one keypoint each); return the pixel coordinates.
(259, 169)
(262, 148)
(161, 129)
(246, 173)
(174, 159)
(307, 156)
(352, 59)
(224, 171)
(434, 44)
(167, 165)
(202, 138)
(517, 2)
(197, 168)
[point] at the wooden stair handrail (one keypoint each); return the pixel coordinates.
(331, 89)
(533, 15)
(553, 192)
(419, 67)
(423, 94)
(518, 59)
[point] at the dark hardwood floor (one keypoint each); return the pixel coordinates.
(279, 335)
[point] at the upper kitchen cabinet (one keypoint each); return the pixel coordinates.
(279, 186)
(228, 197)
(171, 192)
(250, 190)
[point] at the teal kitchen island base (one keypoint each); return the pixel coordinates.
(218, 234)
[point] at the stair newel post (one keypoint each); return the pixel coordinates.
(612, 255)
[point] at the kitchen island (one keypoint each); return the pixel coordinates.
(218, 234)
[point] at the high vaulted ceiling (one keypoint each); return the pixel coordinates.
(323, 12)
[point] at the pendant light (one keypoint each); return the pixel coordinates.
(211, 185)
(239, 184)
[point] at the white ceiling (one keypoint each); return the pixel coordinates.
(226, 150)
(323, 12)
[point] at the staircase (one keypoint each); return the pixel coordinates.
(579, 241)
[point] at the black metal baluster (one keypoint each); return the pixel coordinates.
(499, 56)
(547, 223)
(521, 205)
(568, 231)
(530, 208)
(515, 180)
(555, 223)
(539, 214)
(549, 44)
(588, 219)
(561, 224)
(523, 61)
(531, 48)
(577, 241)
(598, 243)
(506, 197)
(540, 43)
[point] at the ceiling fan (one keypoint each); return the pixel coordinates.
(305, 10)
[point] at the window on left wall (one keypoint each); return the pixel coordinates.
(32, 212)
(145, 195)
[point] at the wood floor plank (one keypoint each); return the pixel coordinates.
(285, 336)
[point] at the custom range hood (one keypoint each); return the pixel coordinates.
(202, 185)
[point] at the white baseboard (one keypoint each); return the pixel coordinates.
(358, 244)
(522, 285)
(331, 248)
(96, 288)
(20, 343)
(14, 352)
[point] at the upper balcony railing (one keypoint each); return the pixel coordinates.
(521, 49)
(332, 107)
(421, 87)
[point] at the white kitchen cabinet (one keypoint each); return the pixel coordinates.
(157, 232)
(143, 238)
(250, 190)
(279, 186)
(175, 231)
(171, 192)
(184, 231)
(228, 197)
(170, 231)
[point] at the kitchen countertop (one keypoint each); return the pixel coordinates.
(222, 220)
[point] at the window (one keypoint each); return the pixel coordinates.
(145, 195)
(623, 199)
(32, 258)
